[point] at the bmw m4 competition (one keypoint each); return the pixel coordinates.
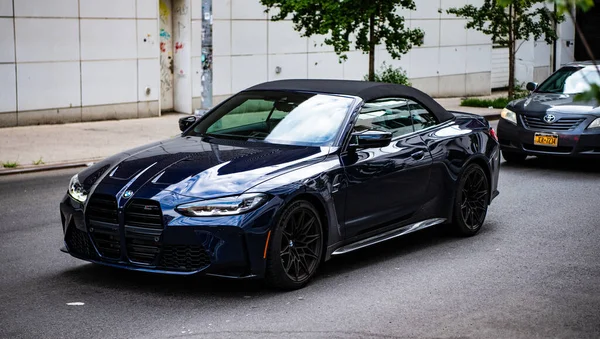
(281, 177)
(550, 122)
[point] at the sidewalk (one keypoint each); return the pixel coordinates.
(73, 145)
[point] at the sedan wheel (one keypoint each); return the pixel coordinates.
(296, 248)
(471, 201)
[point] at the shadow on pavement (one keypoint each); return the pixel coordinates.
(98, 276)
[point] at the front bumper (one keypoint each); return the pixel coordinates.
(580, 142)
(229, 247)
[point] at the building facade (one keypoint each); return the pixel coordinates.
(82, 60)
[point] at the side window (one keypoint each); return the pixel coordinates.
(388, 114)
(421, 117)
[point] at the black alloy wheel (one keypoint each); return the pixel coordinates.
(296, 247)
(472, 198)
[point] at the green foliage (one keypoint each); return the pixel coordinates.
(10, 164)
(347, 22)
(475, 102)
(520, 91)
(592, 94)
(38, 162)
(390, 74)
(492, 19)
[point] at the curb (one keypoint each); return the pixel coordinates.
(49, 167)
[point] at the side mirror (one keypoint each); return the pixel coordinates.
(531, 86)
(370, 139)
(186, 122)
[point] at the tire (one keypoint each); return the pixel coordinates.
(296, 247)
(513, 157)
(471, 201)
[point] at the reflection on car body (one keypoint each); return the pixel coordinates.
(282, 176)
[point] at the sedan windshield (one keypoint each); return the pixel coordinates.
(570, 80)
(290, 118)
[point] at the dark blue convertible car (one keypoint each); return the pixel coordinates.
(282, 176)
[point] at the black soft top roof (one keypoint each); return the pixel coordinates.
(368, 91)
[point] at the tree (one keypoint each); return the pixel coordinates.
(372, 23)
(507, 21)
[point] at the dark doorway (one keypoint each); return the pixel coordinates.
(589, 22)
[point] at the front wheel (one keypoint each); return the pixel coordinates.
(296, 247)
(471, 201)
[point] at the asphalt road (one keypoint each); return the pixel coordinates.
(532, 272)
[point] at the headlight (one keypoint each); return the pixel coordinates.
(509, 115)
(76, 190)
(595, 124)
(223, 206)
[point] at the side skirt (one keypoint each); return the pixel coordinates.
(388, 235)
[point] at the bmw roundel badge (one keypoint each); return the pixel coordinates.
(127, 194)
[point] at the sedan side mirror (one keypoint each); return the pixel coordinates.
(370, 139)
(186, 122)
(531, 86)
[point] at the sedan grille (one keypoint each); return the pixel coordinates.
(184, 257)
(562, 124)
(143, 230)
(103, 225)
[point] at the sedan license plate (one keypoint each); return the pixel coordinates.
(545, 139)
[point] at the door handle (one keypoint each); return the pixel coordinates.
(418, 155)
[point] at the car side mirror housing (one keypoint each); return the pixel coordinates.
(186, 122)
(370, 139)
(531, 86)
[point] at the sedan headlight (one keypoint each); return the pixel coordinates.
(509, 116)
(595, 124)
(76, 190)
(223, 206)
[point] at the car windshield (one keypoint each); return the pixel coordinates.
(570, 80)
(290, 118)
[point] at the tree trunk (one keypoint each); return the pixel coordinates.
(511, 53)
(372, 47)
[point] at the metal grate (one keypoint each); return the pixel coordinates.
(562, 124)
(78, 242)
(144, 214)
(143, 230)
(184, 257)
(103, 225)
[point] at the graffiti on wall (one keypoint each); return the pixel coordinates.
(164, 12)
(166, 57)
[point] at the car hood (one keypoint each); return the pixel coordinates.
(197, 167)
(541, 103)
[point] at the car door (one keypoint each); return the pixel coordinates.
(385, 185)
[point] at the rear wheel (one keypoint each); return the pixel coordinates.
(296, 247)
(513, 157)
(471, 201)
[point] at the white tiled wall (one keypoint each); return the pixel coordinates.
(108, 39)
(6, 7)
(8, 91)
(242, 31)
(108, 82)
(41, 40)
(74, 53)
(48, 85)
(108, 8)
(47, 8)
(7, 40)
